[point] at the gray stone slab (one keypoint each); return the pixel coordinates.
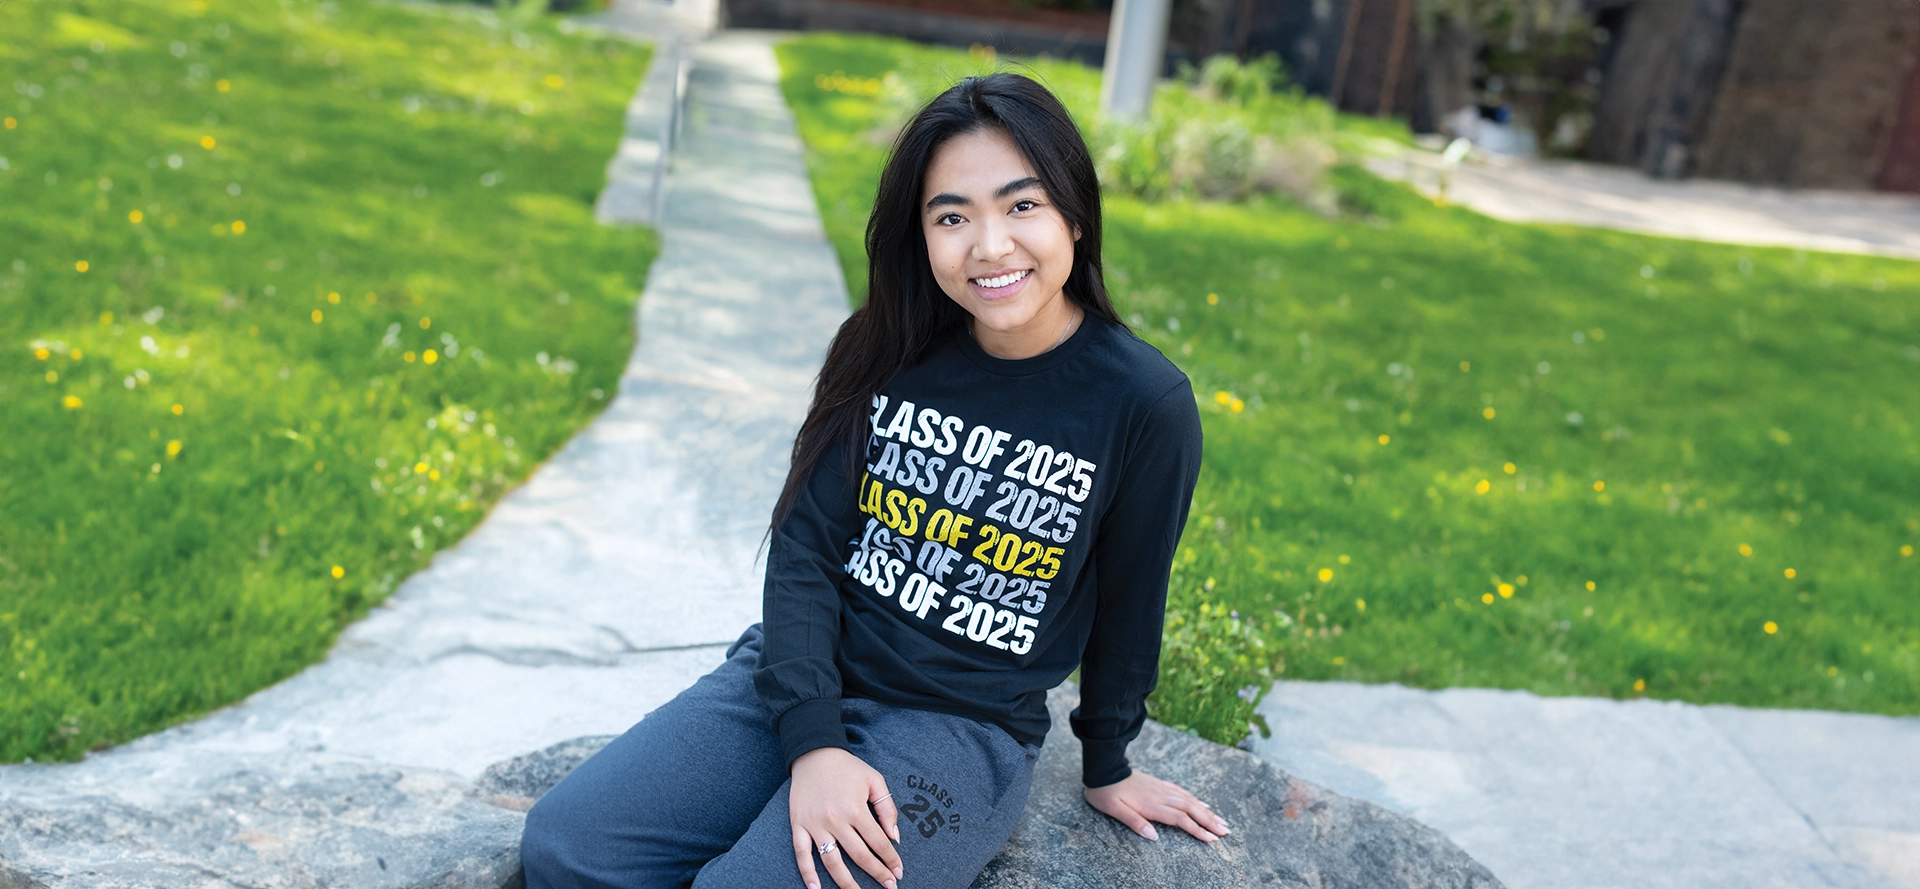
(1581, 792)
(1855, 778)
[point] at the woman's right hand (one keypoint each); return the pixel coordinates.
(832, 789)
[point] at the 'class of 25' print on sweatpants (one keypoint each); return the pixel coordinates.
(966, 524)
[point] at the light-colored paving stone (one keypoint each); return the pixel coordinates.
(613, 579)
(1570, 793)
(1577, 193)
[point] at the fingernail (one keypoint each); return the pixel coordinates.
(889, 884)
(900, 873)
(813, 886)
(1151, 833)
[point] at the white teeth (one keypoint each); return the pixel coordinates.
(1001, 281)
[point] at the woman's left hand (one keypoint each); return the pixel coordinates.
(1141, 799)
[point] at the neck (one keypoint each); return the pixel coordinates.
(1047, 330)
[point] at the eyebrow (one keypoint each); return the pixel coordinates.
(947, 198)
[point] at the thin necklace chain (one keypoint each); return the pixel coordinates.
(1071, 327)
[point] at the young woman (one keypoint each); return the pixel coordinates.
(987, 492)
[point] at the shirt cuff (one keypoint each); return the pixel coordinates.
(1103, 763)
(811, 725)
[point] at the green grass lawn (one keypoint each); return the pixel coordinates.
(1444, 450)
(290, 293)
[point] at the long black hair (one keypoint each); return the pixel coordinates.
(906, 312)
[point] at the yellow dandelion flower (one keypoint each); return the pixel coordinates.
(1213, 299)
(1487, 412)
(1385, 438)
(239, 227)
(1791, 573)
(75, 354)
(1639, 685)
(319, 466)
(1599, 485)
(222, 85)
(1222, 397)
(433, 474)
(554, 81)
(1521, 580)
(1506, 591)
(430, 356)
(1345, 559)
(1466, 366)
(253, 330)
(371, 298)
(1486, 598)
(1237, 405)
(1360, 604)
(420, 468)
(1339, 661)
(1510, 468)
(136, 217)
(173, 448)
(10, 123)
(179, 409)
(333, 296)
(81, 266)
(106, 317)
(1770, 628)
(207, 142)
(339, 572)
(1832, 672)
(41, 353)
(407, 357)
(1591, 586)
(425, 323)
(317, 316)
(1746, 550)
(53, 376)
(1326, 574)
(72, 402)
(1906, 550)
(1483, 487)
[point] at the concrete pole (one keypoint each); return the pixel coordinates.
(1136, 48)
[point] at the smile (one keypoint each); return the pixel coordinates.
(1003, 280)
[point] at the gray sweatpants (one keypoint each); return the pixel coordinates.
(696, 793)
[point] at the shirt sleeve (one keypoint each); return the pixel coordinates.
(797, 678)
(1132, 557)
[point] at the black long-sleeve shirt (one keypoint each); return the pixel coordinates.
(1014, 518)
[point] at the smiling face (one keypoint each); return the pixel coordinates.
(997, 245)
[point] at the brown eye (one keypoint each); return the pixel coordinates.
(1022, 206)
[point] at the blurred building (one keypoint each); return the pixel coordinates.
(1799, 93)
(1784, 92)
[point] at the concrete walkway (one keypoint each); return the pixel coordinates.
(1576, 193)
(613, 579)
(1571, 793)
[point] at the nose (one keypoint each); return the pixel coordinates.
(995, 241)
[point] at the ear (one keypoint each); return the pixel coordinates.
(1076, 233)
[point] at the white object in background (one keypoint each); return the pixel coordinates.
(1136, 44)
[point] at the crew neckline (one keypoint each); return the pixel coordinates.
(1015, 367)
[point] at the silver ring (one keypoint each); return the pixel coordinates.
(883, 799)
(828, 846)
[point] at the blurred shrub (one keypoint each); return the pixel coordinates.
(1223, 131)
(1227, 79)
